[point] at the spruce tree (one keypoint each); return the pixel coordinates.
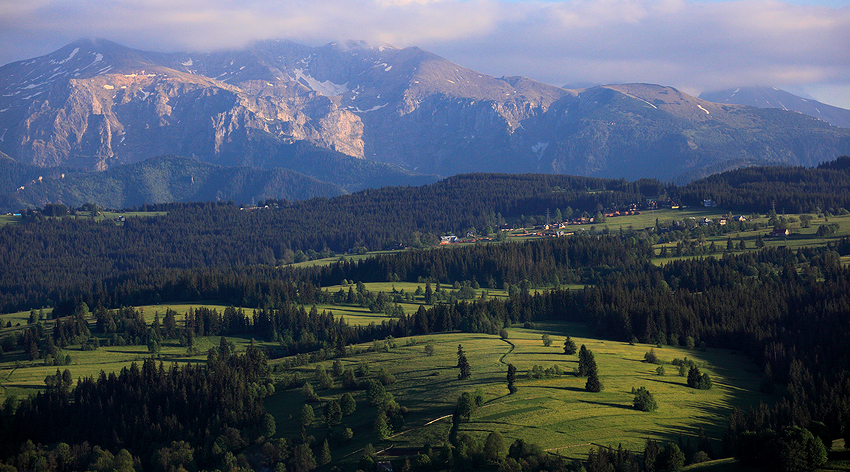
(511, 378)
(462, 364)
(569, 347)
(333, 413)
(593, 384)
(326, 453)
(586, 362)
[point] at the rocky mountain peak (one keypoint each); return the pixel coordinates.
(95, 104)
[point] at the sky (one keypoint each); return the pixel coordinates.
(800, 46)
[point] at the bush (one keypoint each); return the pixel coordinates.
(700, 456)
(651, 357)
(697, 380)
(644, 401)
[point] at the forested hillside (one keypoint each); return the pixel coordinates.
(41, 258)
(787, 309)
(783, 189)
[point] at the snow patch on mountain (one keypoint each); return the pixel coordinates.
(539, 148)
(358, 110)
(703, 109)
(71, 56)
(644, 101)
(326, 88)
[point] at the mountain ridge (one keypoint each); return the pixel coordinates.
(94, 104)
(772, 97)
(162, 179)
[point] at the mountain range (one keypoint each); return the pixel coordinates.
(772, 97)
(356, 115)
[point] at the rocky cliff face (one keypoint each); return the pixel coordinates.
(57, 111)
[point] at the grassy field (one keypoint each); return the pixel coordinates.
(799, 237)
(20, 376)
(9, 219)
(22, 317)
(98, 216)
(556, 413)
(29, 378)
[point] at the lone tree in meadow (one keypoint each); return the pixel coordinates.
(697, 380)
(462, 364)
(569, 347)
(644, 401)
(650, 357)
(547, 341)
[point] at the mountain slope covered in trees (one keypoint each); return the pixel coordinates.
(786, 309)
(160, 180)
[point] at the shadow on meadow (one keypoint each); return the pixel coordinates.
(612, 405)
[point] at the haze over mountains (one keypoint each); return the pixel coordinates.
(357, 115)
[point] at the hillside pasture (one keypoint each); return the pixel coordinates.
(557, 413)
(21, 377)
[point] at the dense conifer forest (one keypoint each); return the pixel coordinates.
(787, 309)
(785, 189)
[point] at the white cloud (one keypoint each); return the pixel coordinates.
(691, 45)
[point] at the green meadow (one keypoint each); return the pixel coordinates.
(9, 219)
(21, 377)
(97, 216)
(557, 413)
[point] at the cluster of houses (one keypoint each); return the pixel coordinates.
(470, 238)
(622, 213)
(722, 221)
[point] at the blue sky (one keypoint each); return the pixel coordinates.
(800, 46)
